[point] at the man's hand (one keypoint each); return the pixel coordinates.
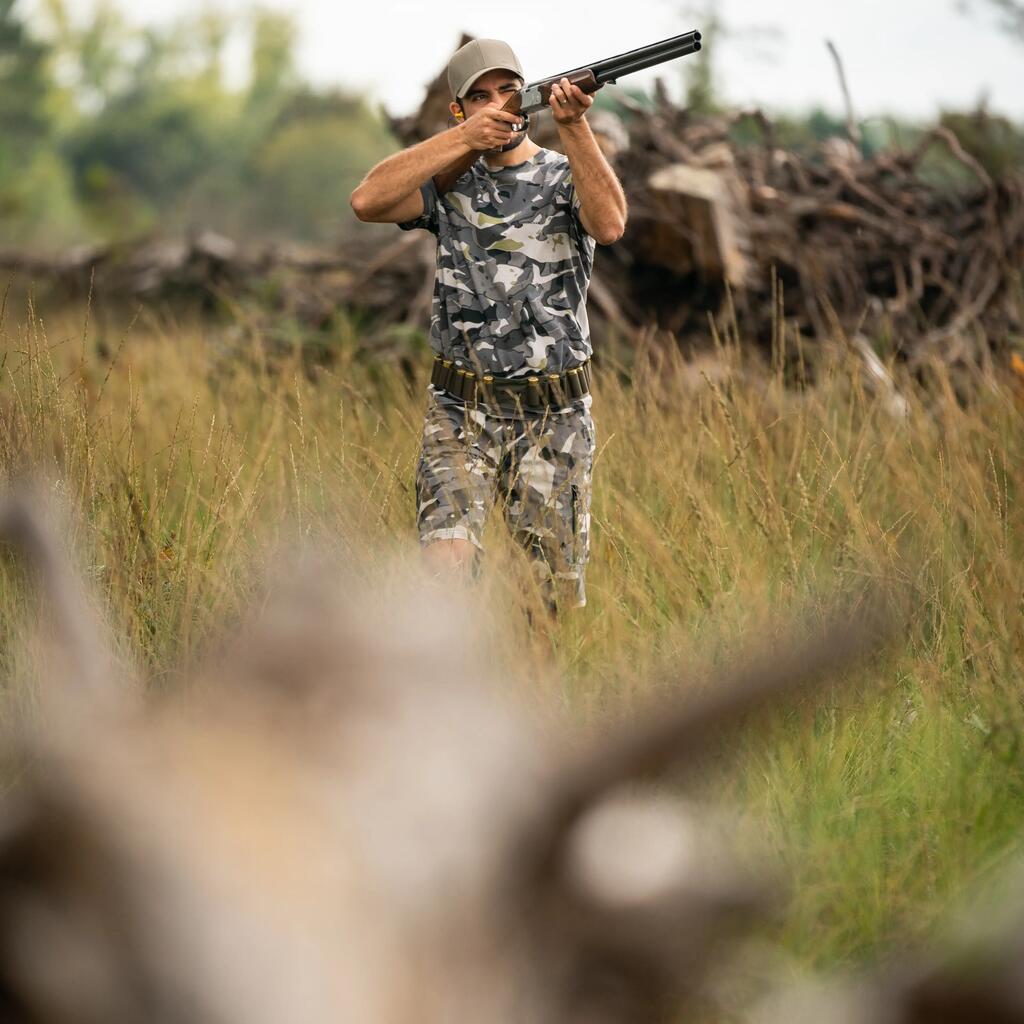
(490, 128)
(569, 102)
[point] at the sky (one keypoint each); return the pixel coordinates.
(904, 57)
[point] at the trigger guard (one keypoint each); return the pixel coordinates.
(515, 143)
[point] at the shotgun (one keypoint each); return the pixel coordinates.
(591, 77)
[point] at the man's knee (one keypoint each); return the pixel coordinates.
(455, 556)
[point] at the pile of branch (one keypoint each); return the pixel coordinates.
(835, 242)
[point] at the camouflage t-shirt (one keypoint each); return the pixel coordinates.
(513, 267)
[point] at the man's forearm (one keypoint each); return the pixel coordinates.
(402, 174)
(602, 201)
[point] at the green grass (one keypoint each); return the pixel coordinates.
(719, 501)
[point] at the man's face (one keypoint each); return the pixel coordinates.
(491, 89)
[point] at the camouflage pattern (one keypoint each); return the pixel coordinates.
(513, 267)
(537, 466)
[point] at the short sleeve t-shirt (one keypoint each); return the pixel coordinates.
(513, 268)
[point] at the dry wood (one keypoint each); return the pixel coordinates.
(351, 817)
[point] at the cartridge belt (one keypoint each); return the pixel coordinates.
(540, 391)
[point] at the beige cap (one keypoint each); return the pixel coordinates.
(476, 58)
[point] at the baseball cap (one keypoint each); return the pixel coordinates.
(476, 58)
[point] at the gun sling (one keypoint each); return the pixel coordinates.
(512, 394)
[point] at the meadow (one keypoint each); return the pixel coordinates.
(725, 497)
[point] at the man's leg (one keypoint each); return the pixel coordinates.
(454, 487)
(548, 501)
(450, 558)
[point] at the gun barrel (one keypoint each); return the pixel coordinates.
(648, 57)
(636, 60)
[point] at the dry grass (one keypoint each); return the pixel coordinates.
(718, 499)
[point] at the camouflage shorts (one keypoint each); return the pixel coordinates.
(537, 466)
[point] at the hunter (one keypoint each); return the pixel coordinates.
(509, 406)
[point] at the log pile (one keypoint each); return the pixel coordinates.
(839, 243)
(835, 244)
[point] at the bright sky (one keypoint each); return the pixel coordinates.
(908, 57)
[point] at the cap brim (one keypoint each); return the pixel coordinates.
(464, 88)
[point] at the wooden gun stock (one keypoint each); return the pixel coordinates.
(585, 79)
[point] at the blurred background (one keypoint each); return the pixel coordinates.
(120, 119)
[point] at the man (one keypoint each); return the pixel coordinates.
(509, 405)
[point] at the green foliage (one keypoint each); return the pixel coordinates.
(702, 94)
(797, 133)
(273, 64)
(24, 93)
(323, 156)
(154, 141)
(145, 135)
(39, 206)
(995, 142)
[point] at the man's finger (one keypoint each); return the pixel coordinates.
(505, 115)
(574, 94)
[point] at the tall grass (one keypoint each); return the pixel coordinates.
(719, 497)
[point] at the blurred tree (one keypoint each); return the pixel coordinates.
(274, 77)
(136, 130)
(92, 59)
(153, 143)
(1011, 14)
(994, 141)
(803, 133)
(702, 87)
(24, 90)
(37, 196)
(212, 31)
(308, 168)
(165, 120)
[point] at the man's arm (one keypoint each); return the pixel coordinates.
(390, 193)
(602, 200)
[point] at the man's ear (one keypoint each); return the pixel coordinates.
(457, 111)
